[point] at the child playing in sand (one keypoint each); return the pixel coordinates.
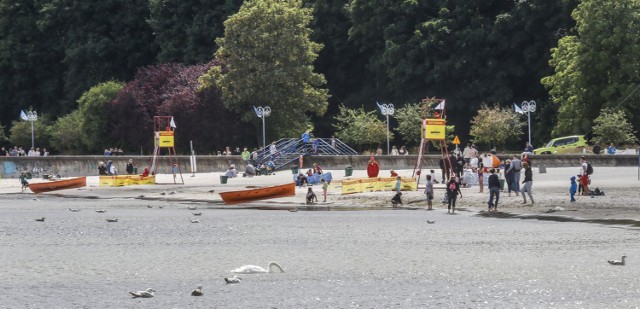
(311, 196)
(429, 192)
(573, 188)
(325, 186)
(23, 181)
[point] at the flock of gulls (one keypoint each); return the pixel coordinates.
(246, 269)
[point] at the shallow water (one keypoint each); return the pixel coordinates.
(346, 259)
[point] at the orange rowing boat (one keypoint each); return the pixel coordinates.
(53, 185)
(234, 197)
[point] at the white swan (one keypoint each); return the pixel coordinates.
(253, 269)
(148, 293)
(621, 263)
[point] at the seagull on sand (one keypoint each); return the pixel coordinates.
(194, 220)
(112, 220)
(232, 280)
(293, 209)
(149, 206)
(620, 263)
(192, 207)
(40, 219)
(101, 211)
(148, 293)
(430, 222)
(163, 193)
(197, 291)
(172, 192)
(197, 214)
(74, 209)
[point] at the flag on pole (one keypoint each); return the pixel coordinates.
(23, 116)
(441, 105)
(518, 109)
(172, 124)
(380, 107)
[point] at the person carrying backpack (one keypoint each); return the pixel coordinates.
(583, 175)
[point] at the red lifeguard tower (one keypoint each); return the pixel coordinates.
(434, 122)
(163, 129)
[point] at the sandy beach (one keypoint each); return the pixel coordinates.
(550, 190)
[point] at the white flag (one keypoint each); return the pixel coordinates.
(23, 116)
(518, 109)
(441, 105)
(172, 124)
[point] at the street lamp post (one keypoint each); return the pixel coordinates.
(32, 116)
(386, 110)
(529, 107)
(263, 112)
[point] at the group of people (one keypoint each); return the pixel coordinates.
(110, 169)
(113, 152)
(20, 152)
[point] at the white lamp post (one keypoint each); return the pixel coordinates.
(387, 109)
(529, 107)
(263, 112)
(32, 116)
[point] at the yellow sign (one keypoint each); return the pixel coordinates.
(434, 129)
(164, 139)
(377, 184)
(456, 141)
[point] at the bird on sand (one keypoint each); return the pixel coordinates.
(112, 220)
(619, 263)
(163, 193)
(232, 280)
(148, 293)
(293, 209)
(430, 222)
(40, 219)
(211, 191)
(172, 192)
(192, 207)
(197, 291)
(101, 211)
(149, 206)
(160, 206)
(74, 209)
(197, 214)
(194, 220)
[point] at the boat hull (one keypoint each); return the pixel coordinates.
(235, 197)
(58, 185)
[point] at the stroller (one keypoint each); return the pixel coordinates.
(397, 199)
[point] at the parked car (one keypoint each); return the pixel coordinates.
(565, 144)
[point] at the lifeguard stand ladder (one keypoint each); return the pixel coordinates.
(163, 138)
(433, 129)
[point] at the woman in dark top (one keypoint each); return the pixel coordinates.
(494, 190)
(528, 182)
(453, 189)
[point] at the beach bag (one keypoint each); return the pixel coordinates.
(589, 168)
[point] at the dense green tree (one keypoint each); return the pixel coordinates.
(495, 126)
(613, 127)
(597, 66)
(267, 59)
(359, 127)
(103, 40)
(3, 136)
(185, 30)
(67, 134)
(409, 121)
(30, 61)
(20, 133)
(95, 107)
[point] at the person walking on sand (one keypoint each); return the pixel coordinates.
(515, 167)
(494, 190)
(325, 187)
(528, 182)
(453, 189)
(573, 188)
(398, 184)
(23, 181)
(428, 191)
(584, 176)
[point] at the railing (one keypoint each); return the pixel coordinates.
(290, 149)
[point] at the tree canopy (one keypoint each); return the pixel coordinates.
(359, 127)
(266, 58)
(613, 127)
(495, 126)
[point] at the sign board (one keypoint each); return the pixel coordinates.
(456, 140)
(434, 129)
(164, 139)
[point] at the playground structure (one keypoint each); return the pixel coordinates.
(433, 129)
(164, 138)
(290, 149)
